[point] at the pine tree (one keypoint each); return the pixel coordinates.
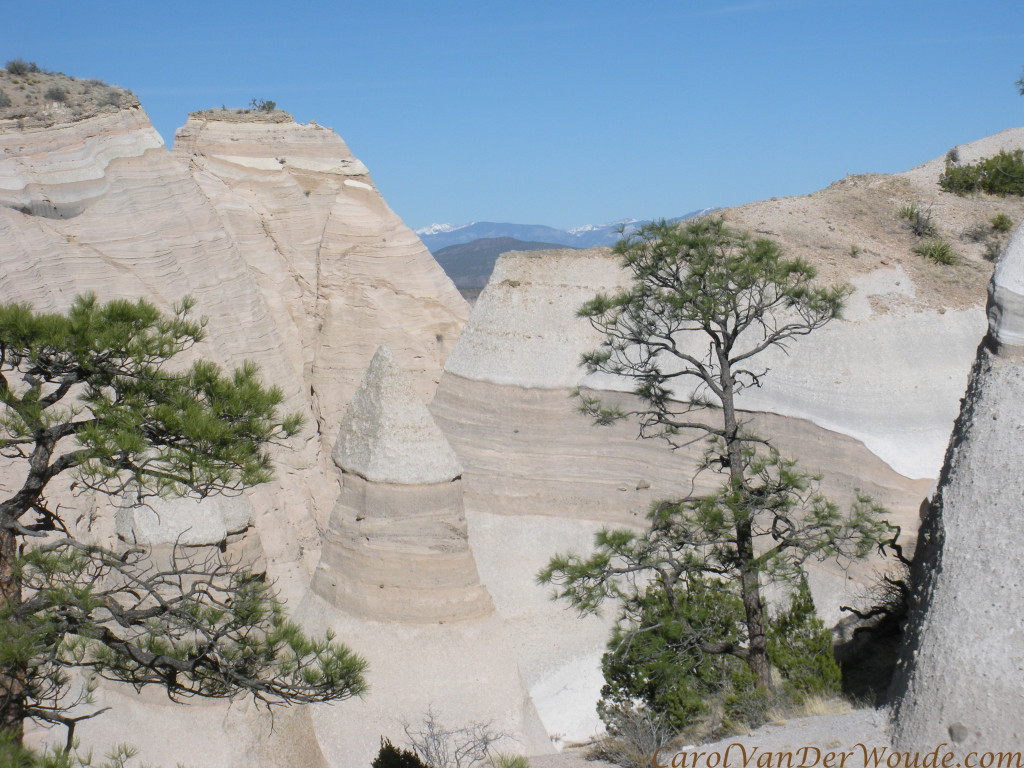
(90, 397)
(704, 302)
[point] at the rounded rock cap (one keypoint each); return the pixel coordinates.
(388, 435)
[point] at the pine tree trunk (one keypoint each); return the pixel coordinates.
(750, 583)
(12, 679)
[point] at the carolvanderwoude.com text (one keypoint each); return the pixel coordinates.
(860, 756)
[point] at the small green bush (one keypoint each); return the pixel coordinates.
(508, 760)
(112, 97)
(1000, 175)
(262, 105)
(5, 100)
(937, 250)
(919, 221)
(800, 647)
(392, 757)
(22, 67)
(1002, 223)
(56, 93)
(993, 250)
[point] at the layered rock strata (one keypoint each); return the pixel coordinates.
(340, 269)
(504, 403)
(306, 285)
(961, 678)
(397, 548)
(398, 581)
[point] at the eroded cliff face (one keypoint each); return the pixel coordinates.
(961, 677)
(300, 267)
(540, 478)
(339, 269)
(289, 249)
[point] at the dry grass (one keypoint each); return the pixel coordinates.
(812, 706)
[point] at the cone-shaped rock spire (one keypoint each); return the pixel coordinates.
(397, 546)
(960, 678)
(387, 434)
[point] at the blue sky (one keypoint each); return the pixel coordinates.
(568, 113)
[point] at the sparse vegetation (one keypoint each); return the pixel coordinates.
(633, 738)
(509, 760)
(22, 67)
(937, 250)
(1002, 223)
(441, 747)
(391, 756)
(112, 97)
(919, 220)
(5, 100)
(56, 93)
(1000, 175)
(262, 105)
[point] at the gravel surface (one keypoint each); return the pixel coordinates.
(831, 732)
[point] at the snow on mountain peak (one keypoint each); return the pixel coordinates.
(437, 229)
(599, 227)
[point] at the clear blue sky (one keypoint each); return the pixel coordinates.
(563, 112)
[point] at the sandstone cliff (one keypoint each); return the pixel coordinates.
(961, 677)
(279, 233)
(301, 267)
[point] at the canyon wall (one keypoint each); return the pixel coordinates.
(289, 249)
(961, 677)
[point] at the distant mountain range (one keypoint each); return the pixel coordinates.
(438, 236)
(467, 252)
(470, 264)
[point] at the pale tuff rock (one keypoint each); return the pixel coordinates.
(524, 332)
(342, 272)
(541, 479)
(142, 228)
(397, 547)
(237, 734)
(400, 553)
(1006, 295)
(464, 671)
(100, 205)
(154, 521)
(961, 678)
(388, 435)
(398, 581)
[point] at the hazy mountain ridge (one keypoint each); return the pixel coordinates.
(438, 236)
(469, 265)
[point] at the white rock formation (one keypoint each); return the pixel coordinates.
(159, 522)
(961, 679)
(1006, 296)
(398, 581)
(387, 434)
(339, 269)
(307, 285)
(397, 548)
(504, 405)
